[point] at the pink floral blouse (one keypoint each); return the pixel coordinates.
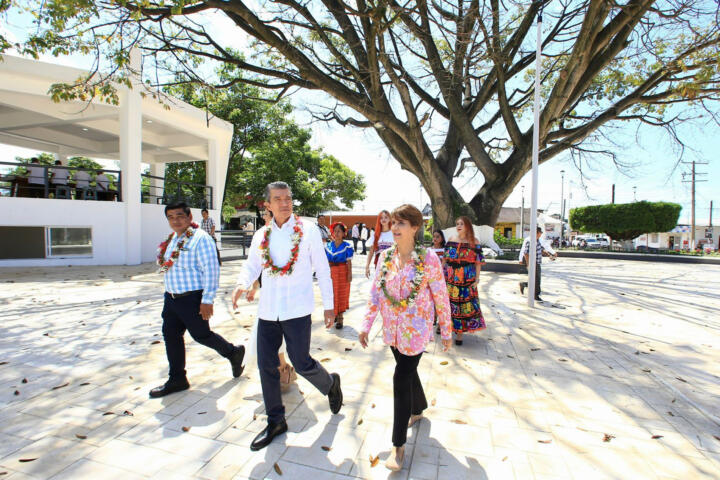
(410, 329)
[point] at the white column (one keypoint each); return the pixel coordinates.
(156, 186)
(130, 158)
(215, 176)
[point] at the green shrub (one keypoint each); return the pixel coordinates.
(625, 221)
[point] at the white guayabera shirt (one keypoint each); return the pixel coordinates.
(289, 296)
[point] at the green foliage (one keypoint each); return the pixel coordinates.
(267, 146)
(505, 242)
(625, 221)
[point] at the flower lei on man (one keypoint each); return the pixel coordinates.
(162, 248)
(417, 253)
(274, 270)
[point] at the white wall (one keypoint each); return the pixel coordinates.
(107, 220)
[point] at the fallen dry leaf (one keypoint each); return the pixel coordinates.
(326, 359)
(132, 343)
(81, 437)
(25, 460)
(459, 422)
(544, 441)
(326, 448)
(61, 386)
(348, 349)
(646, 370)
(201, 413)
(504, 458)
(510, 356)
(372, 406)
(434, 401)
(533, 350)
(185, 429)
(16, 392)
(671, 413)
(24, 380)
(681, 379)
(128, 413)
(3, 363)
(655, 437)
(716, 438)
(374, 461)
(562, 359)
(360, 421)
(155, 342)
(108, 413)
(608, 437)
(84, 384)
(277, 469)
(444, 362)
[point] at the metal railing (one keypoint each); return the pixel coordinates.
(164, 192)
(238, 241)
(36, 180)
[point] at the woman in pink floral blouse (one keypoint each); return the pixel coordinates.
(409, 291)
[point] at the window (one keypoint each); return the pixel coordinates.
(65, 242)
(655, 237)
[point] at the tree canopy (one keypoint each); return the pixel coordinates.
(625, 221)
(445, 85)
(267, 146)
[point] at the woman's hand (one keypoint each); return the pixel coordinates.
(446, 344)
(367, 271)
(363, 338)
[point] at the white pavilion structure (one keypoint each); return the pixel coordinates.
(140, 130)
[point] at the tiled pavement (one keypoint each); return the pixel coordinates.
(614, 377)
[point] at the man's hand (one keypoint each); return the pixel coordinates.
(329, 318)
(251, 294)
(236, 294)
(446, 344)
(206, 311)
(363, 338)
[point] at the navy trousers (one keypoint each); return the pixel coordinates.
(296, 333)
(180, 314)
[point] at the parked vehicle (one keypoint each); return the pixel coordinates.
(603, 242)
(592, 243)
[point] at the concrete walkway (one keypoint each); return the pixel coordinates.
(615, 376)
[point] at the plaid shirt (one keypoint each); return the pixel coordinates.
(541, 245)
(196, 268)
(207, 224)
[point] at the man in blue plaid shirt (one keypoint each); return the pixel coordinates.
(191, 283)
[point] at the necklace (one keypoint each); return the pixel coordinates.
(416, 255)
(162, 248)
(294, 251)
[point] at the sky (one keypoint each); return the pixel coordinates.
(656, 176)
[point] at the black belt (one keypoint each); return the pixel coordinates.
(184, 294)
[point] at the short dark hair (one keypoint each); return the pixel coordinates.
(539, 229)
(34, 160)
(276, 186)
(178, 206)
(204, 210)
(58, 162)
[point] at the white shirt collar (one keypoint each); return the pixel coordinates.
(290, 222)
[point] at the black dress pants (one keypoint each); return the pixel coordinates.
(408, 394)
(180, 314)
(537, 279)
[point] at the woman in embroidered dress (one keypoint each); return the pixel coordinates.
(339, 254)
(382, 239)
(438, 246)
(463, 260)
(409, 291)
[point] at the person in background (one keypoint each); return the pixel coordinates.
(35, 178)
(59, 176)
(82, 181)
(103, 185)
(409, 291)
(339, 254)
(355, 236)
(324, 231)
(382, 239)
(438, 246)
(543, 248)
(463, 260)
(364, 235)
(208, 224)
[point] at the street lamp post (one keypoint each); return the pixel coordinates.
(562, 206)
(522, 211)
(532, 257)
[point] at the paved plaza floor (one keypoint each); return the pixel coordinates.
(615, 376)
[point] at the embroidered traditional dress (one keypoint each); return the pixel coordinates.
(460, 275)
(338, 257)
(385, 241)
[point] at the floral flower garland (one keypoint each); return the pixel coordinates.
(162, 248)
(274, 270)
(417, 253)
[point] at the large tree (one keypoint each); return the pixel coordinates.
(444, 84)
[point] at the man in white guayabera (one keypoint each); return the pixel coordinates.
(286, 252)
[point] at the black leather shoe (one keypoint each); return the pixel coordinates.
(168, 388)
(264, 438)
(339, 324)
(539, 299)
(458, 342)
(522, 288)
(236, 359)
(335, 396)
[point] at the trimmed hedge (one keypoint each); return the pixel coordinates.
(625, 221)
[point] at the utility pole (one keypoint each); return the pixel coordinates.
(562, 205)
(522, 212)
(693, 180)
(613, 194)
(710, 222)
